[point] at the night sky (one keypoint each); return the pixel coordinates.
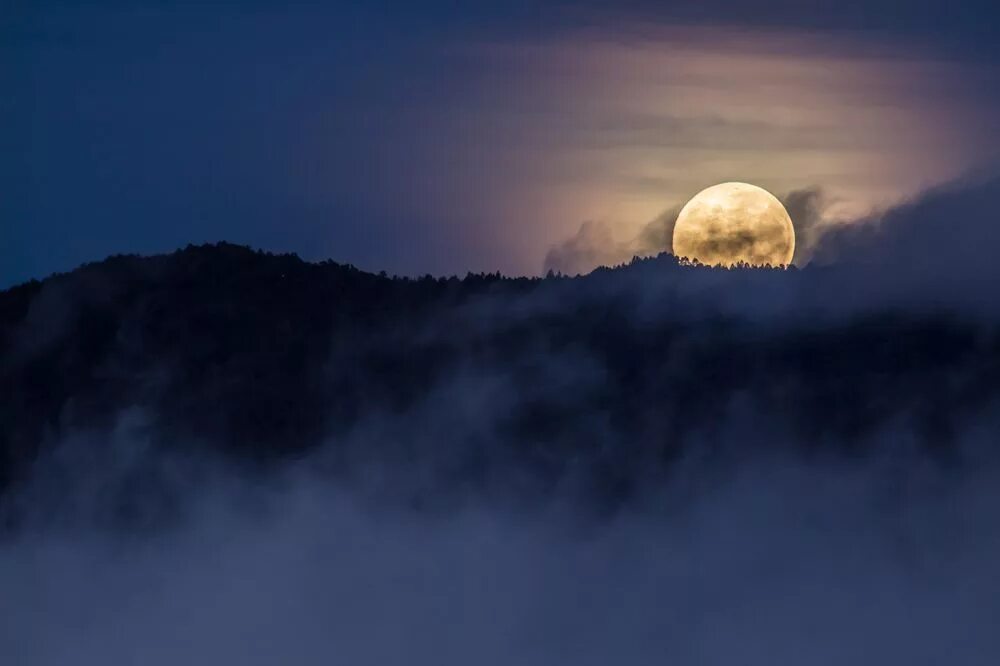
(439, 137)
(488, 416)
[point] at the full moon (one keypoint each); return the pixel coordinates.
(732, 222)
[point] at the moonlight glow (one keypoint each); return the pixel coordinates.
(734, 222)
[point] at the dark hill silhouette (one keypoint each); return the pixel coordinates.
(260, 357)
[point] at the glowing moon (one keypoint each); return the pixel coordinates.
(734, 222)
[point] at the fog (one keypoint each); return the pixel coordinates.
(775, 561)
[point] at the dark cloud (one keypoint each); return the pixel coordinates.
(931, 22)
(950, 228)
(939, 248)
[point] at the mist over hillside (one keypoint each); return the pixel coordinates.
(247, 458)
(598, 383)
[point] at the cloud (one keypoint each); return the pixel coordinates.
(806, 207)
(594, 244)
(939, 248)
(953, 226)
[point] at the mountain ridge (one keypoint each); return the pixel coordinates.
(608, 377)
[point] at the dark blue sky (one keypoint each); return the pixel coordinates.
(391, 136)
